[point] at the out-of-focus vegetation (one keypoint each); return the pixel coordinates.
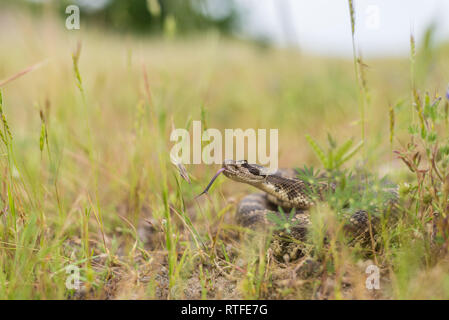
(144, 16)
(87, 178)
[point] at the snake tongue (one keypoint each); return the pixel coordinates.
(211, 182)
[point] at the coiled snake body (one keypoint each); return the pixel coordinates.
(283, 189)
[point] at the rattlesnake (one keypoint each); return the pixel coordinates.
(283, 189)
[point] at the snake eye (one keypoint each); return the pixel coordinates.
(254, 171)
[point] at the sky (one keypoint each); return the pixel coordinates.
(323, 26)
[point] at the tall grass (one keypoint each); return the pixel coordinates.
(358, 69)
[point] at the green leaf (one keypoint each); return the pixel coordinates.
(330, 159)
(272, 217)
(318, 150)
(42, 137)
(332, 142)
(342, 150)
(351, 153)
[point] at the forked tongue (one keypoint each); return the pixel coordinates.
(211, 182)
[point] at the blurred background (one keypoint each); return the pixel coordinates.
(284, 64)
(317, 26)
(292, 60)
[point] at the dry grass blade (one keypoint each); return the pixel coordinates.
(22, 73)
(147, 85)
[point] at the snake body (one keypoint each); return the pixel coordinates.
(282, 189)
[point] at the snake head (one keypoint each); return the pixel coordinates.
(242, 171)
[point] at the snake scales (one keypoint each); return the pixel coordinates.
(284, 189)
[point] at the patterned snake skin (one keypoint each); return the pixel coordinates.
(282, 189)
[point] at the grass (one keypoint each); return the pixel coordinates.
(87, 179)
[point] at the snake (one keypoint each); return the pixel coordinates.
(283, 191)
